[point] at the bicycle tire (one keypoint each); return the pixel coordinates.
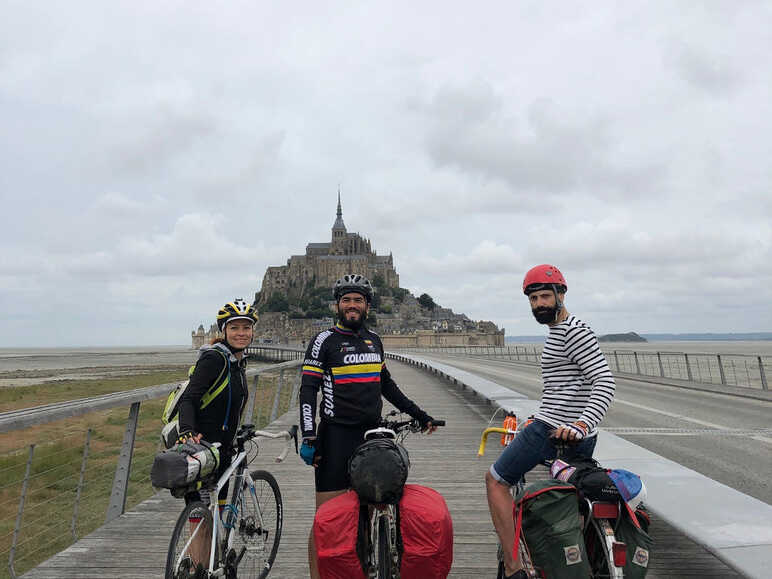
(258, 525)
(524, 556)
(181, 561)
(598, 544)
(385, 569)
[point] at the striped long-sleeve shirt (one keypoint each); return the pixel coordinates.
(578, 384)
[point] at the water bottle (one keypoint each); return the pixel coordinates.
(510, 423)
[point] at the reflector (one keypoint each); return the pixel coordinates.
(620, 553)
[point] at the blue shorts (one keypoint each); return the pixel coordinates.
(530, 447)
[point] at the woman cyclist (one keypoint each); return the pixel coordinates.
(212, 405)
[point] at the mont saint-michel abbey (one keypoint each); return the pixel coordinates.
(324, 263)
(295, 300)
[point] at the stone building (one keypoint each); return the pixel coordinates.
(398, 316)
(324, 263)
(201, 336)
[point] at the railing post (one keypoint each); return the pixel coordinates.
(764, 385)
(80, 486)
(637, 364)
(688, 368)
(275, 409)
(661, 369)
(23, 497)
(296, 388)
(251, 397)
(122, 471)
(721, 369)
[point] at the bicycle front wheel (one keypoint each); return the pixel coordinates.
(191, 542)
(385, 569)
(259, 525)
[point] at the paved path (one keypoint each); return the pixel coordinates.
(135, 544)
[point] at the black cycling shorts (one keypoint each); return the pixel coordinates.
(335, 444)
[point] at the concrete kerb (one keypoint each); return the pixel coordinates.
(733, 526)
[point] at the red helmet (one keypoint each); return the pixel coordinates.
(544, 276)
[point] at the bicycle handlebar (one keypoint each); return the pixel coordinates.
(247, 432)
(412, 424)
(488, 431)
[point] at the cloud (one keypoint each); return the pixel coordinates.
(708, 71)
(550, 149)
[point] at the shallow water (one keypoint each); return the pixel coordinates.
(12, 359)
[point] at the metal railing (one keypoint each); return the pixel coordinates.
(738, 370)
(83, 476)
(274, 353)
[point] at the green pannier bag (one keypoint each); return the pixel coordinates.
(547, 515)
(632, 529)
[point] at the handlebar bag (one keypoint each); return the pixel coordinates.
(184, 464)
(547, 515)
(378, 471)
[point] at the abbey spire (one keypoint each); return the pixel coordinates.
(339, 226)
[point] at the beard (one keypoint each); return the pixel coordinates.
(351, 324)
(545, 315)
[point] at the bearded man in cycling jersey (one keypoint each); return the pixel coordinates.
(578, 389)
(347, 363)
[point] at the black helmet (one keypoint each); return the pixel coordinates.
(352, 282)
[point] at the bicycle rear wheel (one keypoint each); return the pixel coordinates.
(258, 526)
(189, 547)
(598, 540)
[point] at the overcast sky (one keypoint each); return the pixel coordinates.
(156, 157)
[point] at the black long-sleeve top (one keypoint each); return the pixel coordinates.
(350, 369)
(212, 421)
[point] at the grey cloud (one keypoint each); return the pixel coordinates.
(708, 71)
(154, 139)
(549, 150)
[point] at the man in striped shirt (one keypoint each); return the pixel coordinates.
(578, 389)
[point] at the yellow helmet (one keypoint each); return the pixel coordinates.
(238, 309)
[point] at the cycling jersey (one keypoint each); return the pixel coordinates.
(350, 369)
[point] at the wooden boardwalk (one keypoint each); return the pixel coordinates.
(135, 544)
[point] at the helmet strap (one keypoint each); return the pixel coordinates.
(558, 303)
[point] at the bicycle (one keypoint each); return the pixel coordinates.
(606, 556)
(252, 522)
(381, 552)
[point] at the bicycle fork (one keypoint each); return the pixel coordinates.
(376, 515)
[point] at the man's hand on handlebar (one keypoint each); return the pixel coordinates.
(431, 425)
(573, 432)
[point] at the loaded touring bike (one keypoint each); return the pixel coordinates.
(242, 540)
(381, 551)
(384, 528)
(606, 554)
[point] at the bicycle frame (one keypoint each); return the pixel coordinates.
(238, 467)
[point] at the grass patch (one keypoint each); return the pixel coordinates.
(58, 456)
